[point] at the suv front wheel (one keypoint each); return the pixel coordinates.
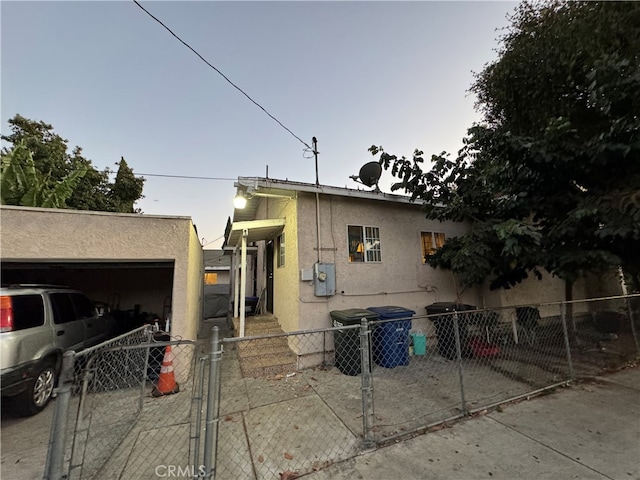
(39, 391)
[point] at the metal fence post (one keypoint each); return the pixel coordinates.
(324, 349)
(145, 376)
(367, 384)
(54, 467)
(456, 329)
(632, 323)
(567, 343)
(213, 405)
(198, 402)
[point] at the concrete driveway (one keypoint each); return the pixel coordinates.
(24, 443)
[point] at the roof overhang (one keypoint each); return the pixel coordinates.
(256, 230)
(257, 186)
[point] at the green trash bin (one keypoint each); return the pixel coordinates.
(419, 340)
(347, 342)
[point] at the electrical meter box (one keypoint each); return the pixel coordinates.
(324, 279)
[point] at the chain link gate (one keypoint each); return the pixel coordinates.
(283, 408)
(129, 410)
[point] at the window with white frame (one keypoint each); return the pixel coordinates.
(280, 250)
(430, 241)
(364, 243)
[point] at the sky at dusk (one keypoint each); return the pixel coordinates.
(113, 81)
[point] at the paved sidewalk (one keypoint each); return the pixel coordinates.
(586, 431)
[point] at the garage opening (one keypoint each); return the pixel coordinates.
(134, 293)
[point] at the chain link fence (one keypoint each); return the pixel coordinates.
(298, 402)
(276, 405)
(470, 360)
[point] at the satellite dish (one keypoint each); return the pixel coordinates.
(370, 174)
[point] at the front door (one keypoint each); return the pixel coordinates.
(269, 252)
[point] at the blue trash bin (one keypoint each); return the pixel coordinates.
(391, 339)
(250, 305)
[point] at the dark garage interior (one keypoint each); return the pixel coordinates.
(134, 292)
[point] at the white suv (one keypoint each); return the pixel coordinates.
(37, 324)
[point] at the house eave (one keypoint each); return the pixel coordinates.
(255, 230)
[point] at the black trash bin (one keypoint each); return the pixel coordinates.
(347, 342)
(391, 339)
(445, 330)
(250, 305)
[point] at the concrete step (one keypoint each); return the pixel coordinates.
(262, 346)
(268, 364)
(264, 357)
(262, 329)
(258, 325)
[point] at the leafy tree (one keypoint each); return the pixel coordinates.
(126, 189)
(54, 164)
(551, 179)
(22, 184)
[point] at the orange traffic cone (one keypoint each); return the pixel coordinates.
(167, 380)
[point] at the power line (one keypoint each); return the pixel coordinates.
(204, 242)
(137, 174)
(183, 176)
(221, 74)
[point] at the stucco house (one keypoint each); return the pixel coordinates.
(320, 248)
(130, 262)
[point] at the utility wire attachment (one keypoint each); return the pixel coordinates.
(221, 74)
(315, 154)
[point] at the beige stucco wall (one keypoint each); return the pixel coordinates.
(286, 288)
(399, 279)
(193, 285)
(67, 235)
(550, 291)
(286, 291)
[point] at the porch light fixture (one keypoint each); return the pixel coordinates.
(240, 201)
(244, 194)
